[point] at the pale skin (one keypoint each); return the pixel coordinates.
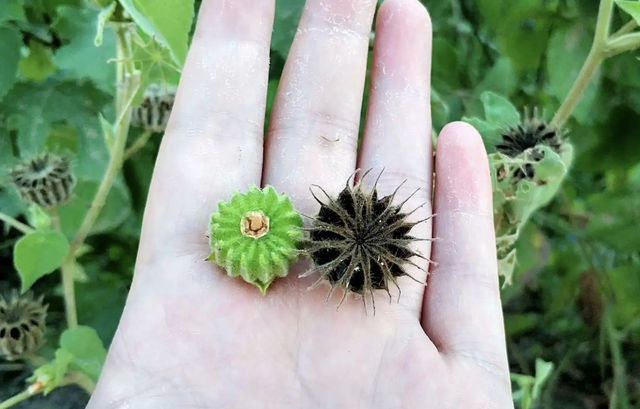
(191, 336)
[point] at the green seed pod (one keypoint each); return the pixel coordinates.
(154, 111)
(22, 325)
(255, 236)
(46, 180)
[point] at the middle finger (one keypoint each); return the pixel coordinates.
(313, 130)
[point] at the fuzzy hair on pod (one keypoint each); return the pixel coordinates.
(46, 180)
(256, 236)
(360, 242)
(22, 325)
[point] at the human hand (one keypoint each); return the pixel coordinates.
(191, 336)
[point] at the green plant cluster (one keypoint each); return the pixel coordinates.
(568, 244)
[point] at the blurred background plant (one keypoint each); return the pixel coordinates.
(92, 84)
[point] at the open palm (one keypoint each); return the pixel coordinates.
(191, 336)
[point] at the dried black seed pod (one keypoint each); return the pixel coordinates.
(22, 325)
(46, 180)
(529, 134)
(154, 111)
(361, 243)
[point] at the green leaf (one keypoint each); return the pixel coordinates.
(286, 19)
(38, 63)
(12, 10)
(625, 285)
(568, 49)
(38, 218)
(543, 371)
(87, 349)
(155, 64)
(168, 21)
(488, 132)
(105, 289)
(440, 110)
(62, 139)
(498, 111)
(501, 78)
(523, 32)
(10, 43)
(79, 57)
(103, 19)
(631, 7)
(35, 107)
(38, 254)
(107, 132)
(446, 73)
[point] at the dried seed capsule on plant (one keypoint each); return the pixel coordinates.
(527, 169)
(525, 139)
(154, 111)
(255, 235)
(22, 325)
(361, 243)
(46, 180)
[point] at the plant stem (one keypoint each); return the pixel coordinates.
(597, 54)
(126, 90)
(55, 218)
(11, 367)
(627, 28)
(619, 392)
(80, 379)
(128, 83)
(22, 396)
(69, 292)
(16, 224)
(138, 144)
(623, 43)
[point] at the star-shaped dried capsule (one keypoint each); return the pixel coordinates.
(361, 243)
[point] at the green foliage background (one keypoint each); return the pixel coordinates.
(574, 300)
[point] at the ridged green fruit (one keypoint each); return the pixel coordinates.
(256, 235)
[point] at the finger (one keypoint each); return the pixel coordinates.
(398, 124)
(213, 142)
(313, 129)
(462, 309)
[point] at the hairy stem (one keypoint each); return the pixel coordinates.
(126, 90)
(69, 293)
(623, 43)
(55, 218)
(14, 400)
(138, 144)
(80, 379)
(16, 224)
(128, 83)
(619, 395)
(627, 28)
(591, 65)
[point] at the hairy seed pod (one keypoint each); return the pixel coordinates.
(154, 111)
(360, 242)
(255, 235)
(46, 180)
(22, 325)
